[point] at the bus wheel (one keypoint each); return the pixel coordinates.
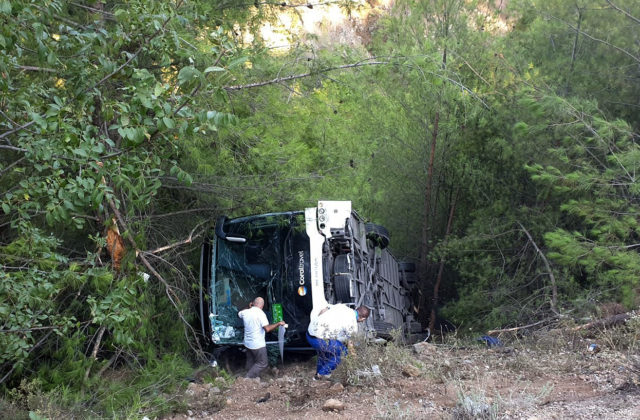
(378, 234)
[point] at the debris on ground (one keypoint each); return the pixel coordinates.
(333, 405)
(554, 376)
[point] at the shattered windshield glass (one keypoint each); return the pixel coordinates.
(257, 267)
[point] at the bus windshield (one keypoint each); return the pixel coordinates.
(244, 270)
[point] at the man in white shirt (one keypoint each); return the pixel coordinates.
(255, 327)
(329, 330)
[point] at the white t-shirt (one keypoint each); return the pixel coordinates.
(336, 323)
(254, 322)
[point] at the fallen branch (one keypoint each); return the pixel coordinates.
(109, 363)
(168, 289)
(94, 353)
(491, 332)
(604, 323)
(183, 242)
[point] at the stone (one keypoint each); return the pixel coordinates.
(411, 371)
(248, 381)
(424, 348)
(192, 389)
(336, 388)
(333, 405)
(214, 391)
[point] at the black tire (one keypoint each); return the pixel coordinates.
(341, 285)
(407, 267)
(378, 234)
(340, 264)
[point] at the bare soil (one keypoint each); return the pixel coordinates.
(556, 377)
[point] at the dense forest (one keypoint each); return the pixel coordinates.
(498, 141)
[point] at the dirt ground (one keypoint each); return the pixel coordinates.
(557, 377)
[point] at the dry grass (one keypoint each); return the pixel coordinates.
(370, 363)
(392, 410)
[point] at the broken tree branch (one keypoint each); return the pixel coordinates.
(491, 332)
(109, 363)
(300, 76)
(168, 289)
(604, 323)
(183, 242)
(94, 353)
(554, 289)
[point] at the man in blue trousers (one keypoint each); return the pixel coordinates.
(329, 330)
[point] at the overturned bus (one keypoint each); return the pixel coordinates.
(296, 261)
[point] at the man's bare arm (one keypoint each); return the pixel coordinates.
(271, 327)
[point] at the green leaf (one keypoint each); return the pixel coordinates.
(158, 89)
(187, 74)
(237, 62)
(80, 152)
(145, 101)
(5, 7)
(6, 208)
(168, 122)
(37, 118)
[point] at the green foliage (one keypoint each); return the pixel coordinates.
(96, 104)
(133, 393)
(134, 115)
(32, 283)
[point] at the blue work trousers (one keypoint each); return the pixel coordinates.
(329, 352)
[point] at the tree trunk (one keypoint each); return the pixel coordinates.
(574, 51)
(424, 252)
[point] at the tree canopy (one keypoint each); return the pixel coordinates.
(499, 145)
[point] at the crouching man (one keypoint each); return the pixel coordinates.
(255, 326)
(329, 330)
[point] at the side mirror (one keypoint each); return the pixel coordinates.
(220, 233)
